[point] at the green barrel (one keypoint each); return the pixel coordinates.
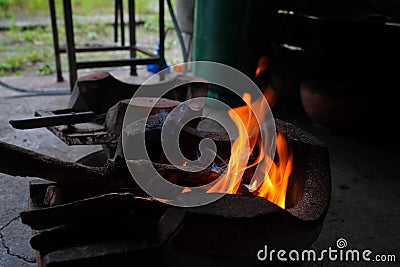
(232, 32)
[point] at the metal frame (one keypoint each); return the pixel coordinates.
(71, 49)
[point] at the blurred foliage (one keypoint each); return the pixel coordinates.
(30, 51)
(5, 7)
(11, 8)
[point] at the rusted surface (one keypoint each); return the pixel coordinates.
(80, 134)
(103, 207)
(59, 119)
(231, 229)
(71, 173)
(174, 175)
(98, 92)
(89, 138)
(311, 157)
(115, 115)
(38, 165)
(108, 97)
(237, 226)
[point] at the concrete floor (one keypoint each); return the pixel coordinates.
(14, 236)
(365, 180)
(15, 249)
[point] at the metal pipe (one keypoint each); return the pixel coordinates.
(121, 8)
(54, 120)
(161, 37)
(117, 62)
(69, 34)
(55, 40)
(132, 32)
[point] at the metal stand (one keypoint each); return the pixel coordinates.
(71, 49)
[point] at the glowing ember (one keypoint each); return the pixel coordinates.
(270, 184)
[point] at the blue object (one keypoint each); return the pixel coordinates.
(154, 68)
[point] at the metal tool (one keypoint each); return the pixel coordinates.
(54, 120)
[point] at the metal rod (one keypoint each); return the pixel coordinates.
(109, 48)
(161, 37)
(116, 8)
(132, 32)
(98, 49)
(54, 120)
(69, 34)
(117, 62)
(121, 8)
(55, 40)
(148, 53)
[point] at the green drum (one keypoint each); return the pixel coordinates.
(232, 32)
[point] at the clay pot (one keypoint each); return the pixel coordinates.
(337, 107)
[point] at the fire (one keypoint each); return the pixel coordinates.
(262, 65)
(275, 180)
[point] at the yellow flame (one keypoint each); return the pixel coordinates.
(275, 180)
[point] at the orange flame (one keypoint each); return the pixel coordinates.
(275, 180)
(262, 64)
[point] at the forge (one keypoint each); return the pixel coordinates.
(93, 213)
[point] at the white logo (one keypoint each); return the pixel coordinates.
(147, 176)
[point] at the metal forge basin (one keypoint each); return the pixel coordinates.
(114, 228)
(116, 222)
(237, 226)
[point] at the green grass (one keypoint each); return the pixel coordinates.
(24, 49)
(11, 8)
(30, 51)
(27, 52)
